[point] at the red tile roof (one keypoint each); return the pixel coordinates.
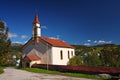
(56, 42)
(52, 42)
(32, 57)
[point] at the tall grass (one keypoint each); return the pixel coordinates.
(1, 70)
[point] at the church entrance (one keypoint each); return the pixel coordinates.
(27, 65)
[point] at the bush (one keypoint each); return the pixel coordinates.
(76, 61)
(80, 69)
(93, 60)
(1, 70)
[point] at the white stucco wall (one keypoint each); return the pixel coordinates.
(56, 55)
(36, 30)
(35, 62)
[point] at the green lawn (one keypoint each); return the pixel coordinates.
(1, 70)
(37, 70)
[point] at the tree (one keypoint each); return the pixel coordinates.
(4, 43)
(93, 60)
(76, 61)
(13, 57)
(100, 55)
(111, 56)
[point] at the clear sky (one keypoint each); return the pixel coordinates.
(84, 22)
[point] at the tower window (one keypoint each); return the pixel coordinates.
(61, 54)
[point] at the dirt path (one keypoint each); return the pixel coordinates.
(15, 74)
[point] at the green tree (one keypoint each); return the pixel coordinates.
(76, 61)
(93, 60)
(4, 43)
(111, 56)
(13, 57)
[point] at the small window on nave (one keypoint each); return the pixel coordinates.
(68, 55)
(61, 54)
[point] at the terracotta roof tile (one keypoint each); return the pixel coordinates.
(56, 42)
(52, 42)
(32, 57)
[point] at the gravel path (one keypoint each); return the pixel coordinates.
(15, 74)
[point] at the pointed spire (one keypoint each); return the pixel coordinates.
(36, 20)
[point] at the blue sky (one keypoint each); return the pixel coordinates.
(84, 22)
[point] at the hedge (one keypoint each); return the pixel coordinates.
(80, 69)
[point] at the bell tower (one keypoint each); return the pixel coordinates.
(36, 30)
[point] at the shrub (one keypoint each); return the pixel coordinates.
(80, 69)
(1, 70)
(76, 61)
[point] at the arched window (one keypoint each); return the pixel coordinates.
(71, 53)
(61, 54)
(68, 55)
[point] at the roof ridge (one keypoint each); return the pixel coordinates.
(52, 42)
(56, 42)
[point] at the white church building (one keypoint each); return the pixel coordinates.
(44, 50)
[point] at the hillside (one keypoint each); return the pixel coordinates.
(97, 48)
(16, 47)
(99, 55)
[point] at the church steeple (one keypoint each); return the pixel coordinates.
(36, 30)
(36, 20)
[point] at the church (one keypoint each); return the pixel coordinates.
(44, 50)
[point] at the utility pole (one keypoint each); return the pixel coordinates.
(47, 57)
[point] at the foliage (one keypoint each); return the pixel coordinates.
(80, 69)
(4, 43)
(1, 70)
(111, 56)
(13, 57)
(100, 55)
(76, 61)
(16, 48)
(8, 54)
(93, 60)
(16, 55)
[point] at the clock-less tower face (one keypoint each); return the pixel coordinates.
(36, 30)
(36, 25)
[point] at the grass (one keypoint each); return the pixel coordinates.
(80, 75)
(1, 70)
(37, 70)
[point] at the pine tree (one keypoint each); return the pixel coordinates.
(4, 43)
